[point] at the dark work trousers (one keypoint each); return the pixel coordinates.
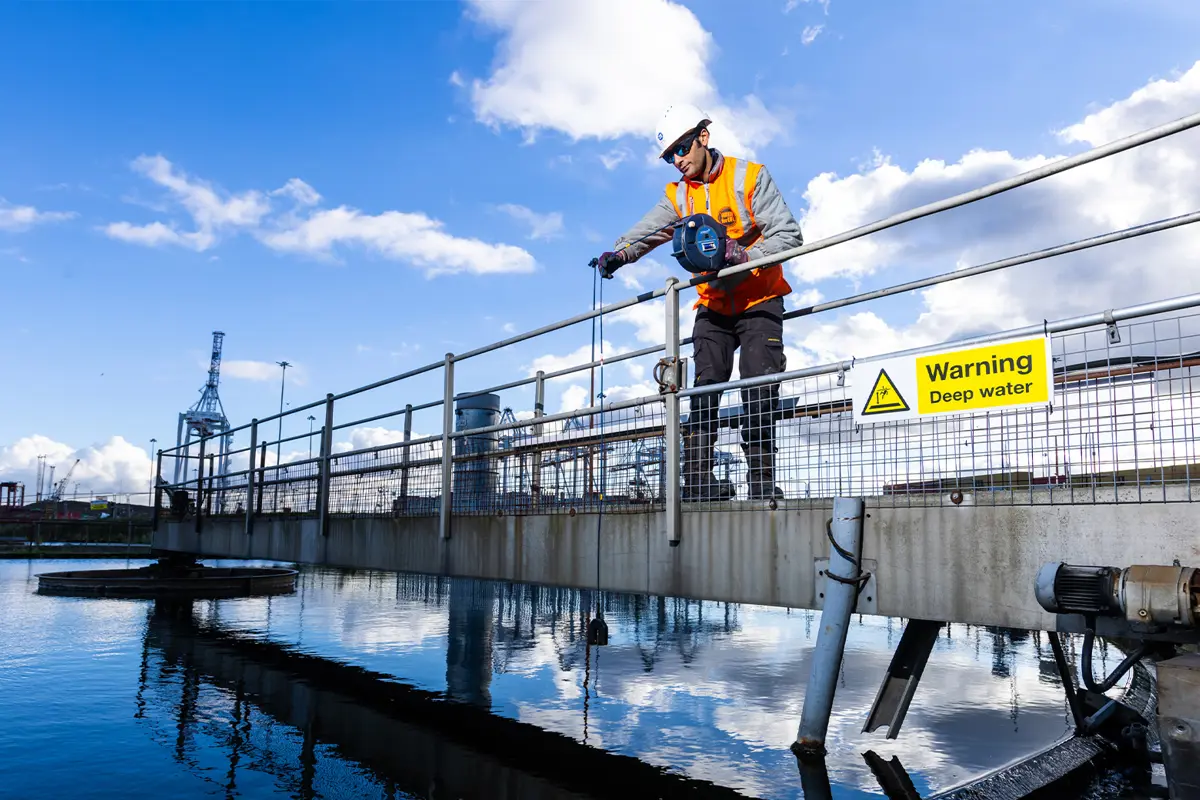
(758, 332)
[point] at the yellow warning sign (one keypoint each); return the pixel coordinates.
(995, 375)
(1002, 374)
(885, 398)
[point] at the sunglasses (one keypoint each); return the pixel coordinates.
(682, 148)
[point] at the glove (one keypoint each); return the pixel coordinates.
(610, 262)
(735, 253)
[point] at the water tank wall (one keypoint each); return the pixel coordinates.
(475, 482)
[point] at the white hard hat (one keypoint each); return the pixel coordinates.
(676, 121)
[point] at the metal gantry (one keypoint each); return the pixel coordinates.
(206, 419)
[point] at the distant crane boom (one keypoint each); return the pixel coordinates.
(61, 486)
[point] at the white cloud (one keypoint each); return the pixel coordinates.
(299, 191)
(642, 274)
(1151, 182)
(456, 79)
(792, 5)
(650, 322)
(810, 34)
(412, 237)
(17, 219)
(615, 157)
(541, 226)
(574, 398)
(156, 233)
(262, 371)
(115, 466)
(403, 236)
(582, 355)
(561, 71)
(212, 210)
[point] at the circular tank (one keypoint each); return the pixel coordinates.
(475, 480)
(166, 579)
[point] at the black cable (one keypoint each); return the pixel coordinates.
(861, 578)
(1089, 680)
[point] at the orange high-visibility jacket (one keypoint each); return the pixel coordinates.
(741, 196)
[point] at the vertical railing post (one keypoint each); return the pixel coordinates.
(447, 450)
(250, 476)
(539, 411)
(212, 477)
(324, 476)
(199, 485)
(405, 456)
(673, 515)
(841, 596)
(157, 494)
(262, 475)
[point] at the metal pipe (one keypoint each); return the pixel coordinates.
(764, 380)
(430, 404)
(645, 351)
(279, 437)
(672, 501)
(992, 189)
(405, 457)
(1083, 244)
(841, 596)
(379, 448)
(447, 455)
(566, 323)
(412, 373)
(324, 478)
(375, 418)
(993, 266)
(1059, 326)
(250, 479)
(154, 515)
(1064, 672)
(290, 411)
(200, 486)
(262, 474)
(539, 411)
(582, 412)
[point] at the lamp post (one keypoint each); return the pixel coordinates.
(150, 496)
(279, 438)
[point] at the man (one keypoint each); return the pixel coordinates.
(744, 310)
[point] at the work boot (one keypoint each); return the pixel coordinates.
(700, 484)
(760, 472)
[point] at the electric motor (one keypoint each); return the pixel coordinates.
(1145, 595)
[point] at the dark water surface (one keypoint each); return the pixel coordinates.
(342, 690)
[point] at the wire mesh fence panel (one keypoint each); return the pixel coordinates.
(609, 460)
(782, 442)
(1122, 428)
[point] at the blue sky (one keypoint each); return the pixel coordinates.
(450, 116)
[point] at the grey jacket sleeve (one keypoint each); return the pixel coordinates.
(661, 215)
(780, 230)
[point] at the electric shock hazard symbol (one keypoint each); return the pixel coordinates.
(885, 398)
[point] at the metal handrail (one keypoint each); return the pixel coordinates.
(946, 277)
(1005, 263)
(929, 209)
(990, 190)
